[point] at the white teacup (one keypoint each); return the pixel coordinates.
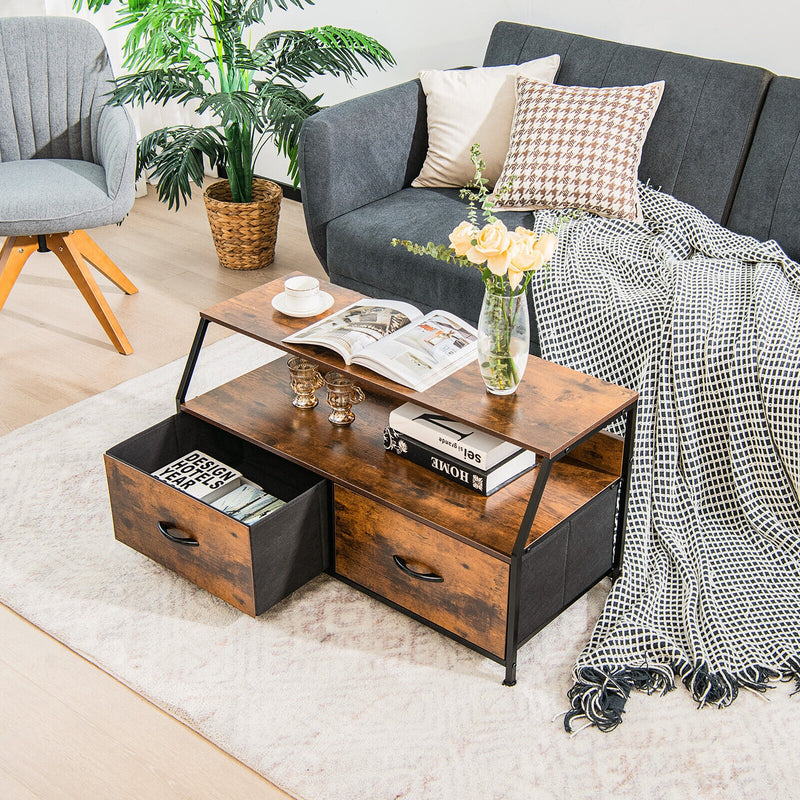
(301, 293)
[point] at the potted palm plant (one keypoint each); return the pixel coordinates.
(200, 53)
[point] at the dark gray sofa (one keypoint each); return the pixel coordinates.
(723, 139)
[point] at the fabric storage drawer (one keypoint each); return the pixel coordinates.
(457, 587)
(251, 567)
(564, 564)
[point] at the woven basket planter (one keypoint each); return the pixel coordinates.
(244, 233)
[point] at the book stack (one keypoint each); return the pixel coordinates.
(248, 503)
(219, 485)
(467, 456)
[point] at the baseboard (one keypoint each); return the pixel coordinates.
(289, 192)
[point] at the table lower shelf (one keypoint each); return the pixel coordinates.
(443, 554)
(257, 408)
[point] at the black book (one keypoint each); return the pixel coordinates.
(484, 482)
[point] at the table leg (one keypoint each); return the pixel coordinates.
(512, 626)
(625, 478)
(191, 362)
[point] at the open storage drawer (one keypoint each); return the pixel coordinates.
(251, 567)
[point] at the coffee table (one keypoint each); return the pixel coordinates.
(489, 572)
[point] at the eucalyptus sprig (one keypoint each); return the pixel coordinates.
(500, 255)
(477, 193)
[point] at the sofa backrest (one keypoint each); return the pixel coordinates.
(767, 203)
(700, 136)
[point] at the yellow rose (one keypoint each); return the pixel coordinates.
(526, 254)
(529, 252)
(492, 245)
(547, 245)
(461, 238)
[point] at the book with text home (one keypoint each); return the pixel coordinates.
(396, 340)
(483, 481)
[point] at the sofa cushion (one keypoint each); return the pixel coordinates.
(578, 147)
(369, 264)
(471, 106)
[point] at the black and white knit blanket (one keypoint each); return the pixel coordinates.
(704, 323)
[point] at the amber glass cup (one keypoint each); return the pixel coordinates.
(306, 379)
(342, 395)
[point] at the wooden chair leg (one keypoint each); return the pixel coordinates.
(69, 255)
(89, 249)
(15, 253)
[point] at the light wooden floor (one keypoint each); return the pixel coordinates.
(69, 730)
(53, 351)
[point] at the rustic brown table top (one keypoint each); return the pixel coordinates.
(553, 407)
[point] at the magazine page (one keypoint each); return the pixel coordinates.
(357, 326)
(421, 354)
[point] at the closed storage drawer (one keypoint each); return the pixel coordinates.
(443, 580)
(251, 567)
(567, 562)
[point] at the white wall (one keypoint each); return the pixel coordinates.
(759, 32)
(445, 33)
(18, 8)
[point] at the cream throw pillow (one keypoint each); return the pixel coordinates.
(467, 106)
(578, 147)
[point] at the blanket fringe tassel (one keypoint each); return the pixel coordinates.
(599, 696)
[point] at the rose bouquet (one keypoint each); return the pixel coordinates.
(507, 261)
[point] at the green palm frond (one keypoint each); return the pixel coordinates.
(174, 155)
(230, 107)
(300, 55)
(239, 58)
(281, 4)
(285, 110)
(250, 12)
(199, 52)
(92, 5)
(158, 86)
(162, 32)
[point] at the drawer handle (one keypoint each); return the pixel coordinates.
(187, 540)
(423, 576)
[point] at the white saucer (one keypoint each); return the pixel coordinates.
(325, 302)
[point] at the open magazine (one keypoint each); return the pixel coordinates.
(395, 340)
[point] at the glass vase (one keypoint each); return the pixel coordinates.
(503, 338)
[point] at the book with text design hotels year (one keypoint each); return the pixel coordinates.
(396, 340)
(200, 476)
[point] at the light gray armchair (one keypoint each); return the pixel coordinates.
(67, 157)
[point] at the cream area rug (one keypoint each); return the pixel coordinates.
(331, 695)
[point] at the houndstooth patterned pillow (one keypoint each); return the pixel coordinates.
(578, 147)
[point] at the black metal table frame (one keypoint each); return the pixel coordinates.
(512, 643)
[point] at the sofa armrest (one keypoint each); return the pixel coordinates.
(360, 151)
